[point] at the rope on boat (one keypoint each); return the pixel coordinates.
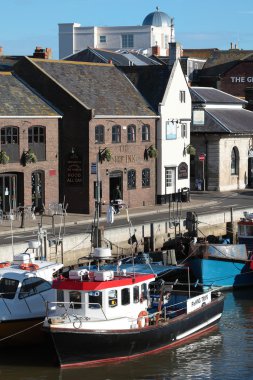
(22, 331)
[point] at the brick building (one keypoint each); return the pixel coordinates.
(101, 110)
(29, 126)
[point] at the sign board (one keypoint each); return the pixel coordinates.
(202, 157)
(198, 301)
(93, 168)
(183, 170)
(74, 170)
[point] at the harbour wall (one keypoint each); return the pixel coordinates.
(71, 248)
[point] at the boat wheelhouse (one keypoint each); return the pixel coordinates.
(103, 316)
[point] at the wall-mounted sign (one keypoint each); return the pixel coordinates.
(74, 169)
(93, 168)
(241, 79)
(183, 170)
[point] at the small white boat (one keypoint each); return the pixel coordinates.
(25, 289)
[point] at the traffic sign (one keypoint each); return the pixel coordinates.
(202, 157)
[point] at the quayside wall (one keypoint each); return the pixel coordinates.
(72, 247)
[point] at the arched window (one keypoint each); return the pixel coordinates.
(234, 161)
(131, 133)
(131, 179)
(116, 134)
(145, 132)
(37, 141)
(146, 178)
(99, 134)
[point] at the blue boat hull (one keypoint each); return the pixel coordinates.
(224, 273)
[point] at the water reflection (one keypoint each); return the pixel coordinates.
(225, 353)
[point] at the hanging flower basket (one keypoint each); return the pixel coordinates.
(4, 158)
(28, 157)
(191, 150)
(105, 154)
(152, 152)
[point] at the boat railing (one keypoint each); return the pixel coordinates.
(68, 310)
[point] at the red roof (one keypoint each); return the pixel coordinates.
(92, 285)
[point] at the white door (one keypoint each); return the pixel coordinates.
(170, 180)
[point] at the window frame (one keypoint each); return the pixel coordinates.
(184, 130)
(30, 284)
(182, 96)
(131, 179)
(99, 134)
(125, 296)
(131, 133)
(234, 166)
(36, 132)
(145, 132)
(116, 134)
(145, 177)
(102, 39)
(127, 40)
(7, 133)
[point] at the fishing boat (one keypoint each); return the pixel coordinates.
(227, 266)
(245, 231)
(102, 316)
(25, 289)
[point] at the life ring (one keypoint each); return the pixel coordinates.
(29, 266)
(143, 319)
(5, 264)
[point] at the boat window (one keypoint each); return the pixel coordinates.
(249, 230)
(144, 291)
(75, 299)
(60, 298)
(113, 298)
(8, 288)
(125, 296)
(32, 286)
(136, 294)
(241, 230)
(95, 300)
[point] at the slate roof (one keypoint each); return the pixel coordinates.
(18, 100)
(8, 61)
(199, 53)
(151, 81)
(100, 87)
(207, 95)
(118, 58)
(235, 121)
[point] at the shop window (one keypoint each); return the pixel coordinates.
(131, 179)
(146, 178)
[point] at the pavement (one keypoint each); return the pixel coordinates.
(31, 223)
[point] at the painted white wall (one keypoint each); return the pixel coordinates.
(74, 37)
(171, 152)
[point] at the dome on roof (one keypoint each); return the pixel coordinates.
(157, 18)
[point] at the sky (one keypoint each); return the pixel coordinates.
(25, 24)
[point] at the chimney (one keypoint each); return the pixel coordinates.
(175, 52)
(156, 50)
(1, 51)
(42, 53)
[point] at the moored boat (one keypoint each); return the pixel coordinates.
(104, 315)
(25, 289)
(224, 265)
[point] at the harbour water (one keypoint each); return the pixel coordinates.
(223, 354)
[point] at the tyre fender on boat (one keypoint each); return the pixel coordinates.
(29, 266)
(5, 264)
(143, 319)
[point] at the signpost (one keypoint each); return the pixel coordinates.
(202, 157)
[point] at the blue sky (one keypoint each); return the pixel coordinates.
(25, 24)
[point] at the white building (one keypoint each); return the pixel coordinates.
(153, 36)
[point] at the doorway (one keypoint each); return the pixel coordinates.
(8, 192)
(38, 190)
(115, 180)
